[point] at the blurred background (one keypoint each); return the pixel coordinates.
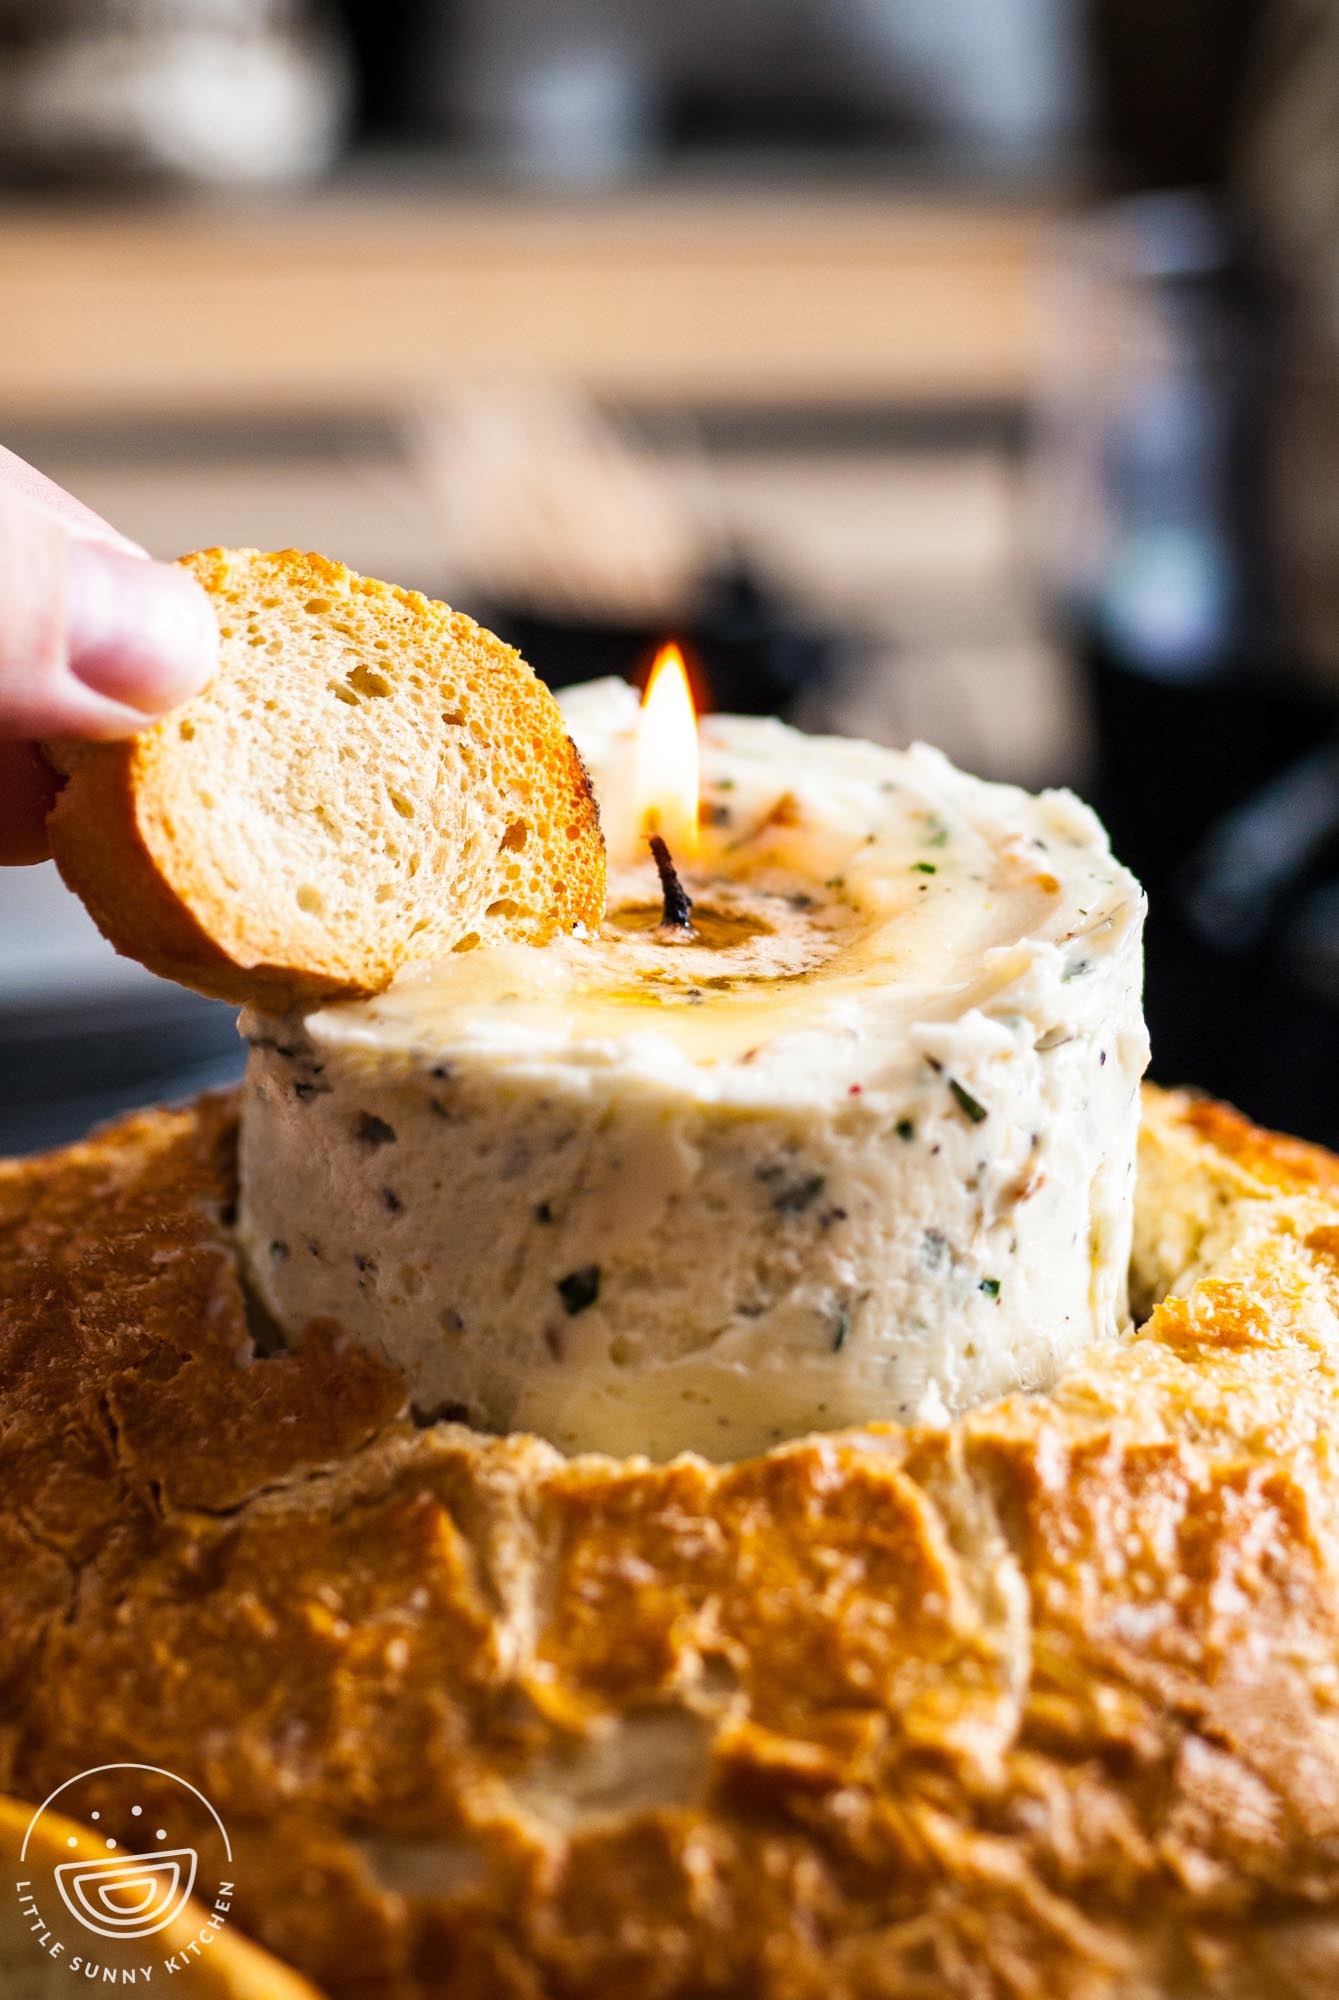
(965, 371)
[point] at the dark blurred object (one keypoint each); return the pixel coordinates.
(1205, 769)
(1171, 77)
(1212, 793)
(66, 1068)
(572, 91)
(758, 653)
(1256, 856)
(1262, 891)
(1288, 194)
(249, 92)
(1149, 437)
(85, 1034)
(1165, 520)
(384, 43)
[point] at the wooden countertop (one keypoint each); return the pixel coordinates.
(378, 301)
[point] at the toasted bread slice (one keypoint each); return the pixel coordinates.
(369, 778)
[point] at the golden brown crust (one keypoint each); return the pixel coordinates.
(1277, 1160)
(98, 844)
(1040, 1703)
(131, 837)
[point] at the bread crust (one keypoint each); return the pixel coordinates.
(133, 842)
(1039, 1703)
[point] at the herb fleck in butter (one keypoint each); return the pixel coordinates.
(372, 1131)
(970, 1106)
(934, 1247)
(579, 1289)
(798, 1195)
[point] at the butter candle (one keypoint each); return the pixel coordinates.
(860, 1147)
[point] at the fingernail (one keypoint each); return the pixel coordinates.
(139, 633)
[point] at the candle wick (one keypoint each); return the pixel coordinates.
(678, 903)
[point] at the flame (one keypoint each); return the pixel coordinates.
(667, 760)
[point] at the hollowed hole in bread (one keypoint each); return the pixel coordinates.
(366, 680)
(186, 731)
(344, 695)
(453, 717)
(401, 804)
(311, 900)
(470, 942)
(504, 907)
(646, 1760)
(317, 606)
(515, 837)
(717, 1675)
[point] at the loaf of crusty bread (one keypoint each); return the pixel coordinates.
(370, 778)
(1040, 1703)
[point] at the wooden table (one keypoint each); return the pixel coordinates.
(376, 302)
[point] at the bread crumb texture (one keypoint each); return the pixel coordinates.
(1044, 1703)
(369, 779)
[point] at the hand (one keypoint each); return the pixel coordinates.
(95, 641)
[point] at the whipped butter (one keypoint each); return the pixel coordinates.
(862, 1147)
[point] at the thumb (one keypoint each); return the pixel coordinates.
(95, 640)
(17, 476)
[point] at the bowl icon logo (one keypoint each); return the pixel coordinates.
(130, 1851)
(128, 1896)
